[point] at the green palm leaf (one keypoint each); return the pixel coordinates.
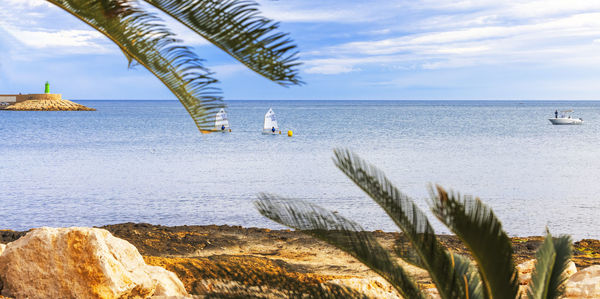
(143, 38)
(411, 220)
(552, 259)
(232, 25)
(236, 27)
(477, 226)
(468, 271)
(340, 232)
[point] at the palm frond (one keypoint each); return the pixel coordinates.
(548, 278)
(465, 268)
(405, 250)
(477, 226)
(410, 219)
(236, 27)
(340, 232)
(563, 245)
(144, 38)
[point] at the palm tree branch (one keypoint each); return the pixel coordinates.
(468, 271)
(477, 226)
(341, 233)
(552, 259)
(236, 27)
(141, 36)
(563, 245)
(409, 218)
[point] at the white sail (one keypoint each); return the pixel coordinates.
(221, 121)
(270, 121)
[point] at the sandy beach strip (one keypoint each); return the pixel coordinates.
(275, 260)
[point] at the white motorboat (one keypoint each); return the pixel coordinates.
(566, 119)
(270, 126)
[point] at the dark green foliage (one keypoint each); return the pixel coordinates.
(491, 275)
(234, 26)
(340, 232)
(477, 226)
(409, 218)
(548, 278)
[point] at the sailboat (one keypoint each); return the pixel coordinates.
(221, 122)
(270, 126)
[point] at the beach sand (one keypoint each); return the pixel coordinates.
(217, 259)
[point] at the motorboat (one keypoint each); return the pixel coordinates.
(566, 119)
(270, 126)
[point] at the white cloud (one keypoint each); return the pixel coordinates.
(290, 15)
(227, 70)
(330, 69)
(378, 31)
(456, 34)
(32, 27)
(328, 11)
(462, 50)
(449, 33)
(27, 3)
(426, 34)
(65, 38)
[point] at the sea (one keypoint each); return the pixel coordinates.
(145, 161)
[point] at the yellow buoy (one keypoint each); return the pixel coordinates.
(290, 133)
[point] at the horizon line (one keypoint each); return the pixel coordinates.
(367, 100)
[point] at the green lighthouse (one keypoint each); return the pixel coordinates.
(47, 89)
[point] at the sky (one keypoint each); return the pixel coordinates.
(354, 50)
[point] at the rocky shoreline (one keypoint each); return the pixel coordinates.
(216, 260)
(47, 105)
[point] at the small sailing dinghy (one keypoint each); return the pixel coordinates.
(565, 119)
(221, 122)
(270, 126)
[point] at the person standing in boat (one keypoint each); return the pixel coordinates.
(555, 113)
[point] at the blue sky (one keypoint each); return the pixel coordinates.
(380, 50)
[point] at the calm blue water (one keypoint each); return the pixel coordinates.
(144, 161)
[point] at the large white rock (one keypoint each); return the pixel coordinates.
(571, 269)
(525, 270)
(81, 263)
(584, 284)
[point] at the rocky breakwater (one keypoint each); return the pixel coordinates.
(44, 102)
(81, 263)
(48, 105)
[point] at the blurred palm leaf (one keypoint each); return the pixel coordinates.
(549, 276)
(340, 232)
(477, 226)
(411, 220)
(463, 267)
(236, 27)
(492, 275)
(144, 39)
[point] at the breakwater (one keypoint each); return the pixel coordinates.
(39, 102)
